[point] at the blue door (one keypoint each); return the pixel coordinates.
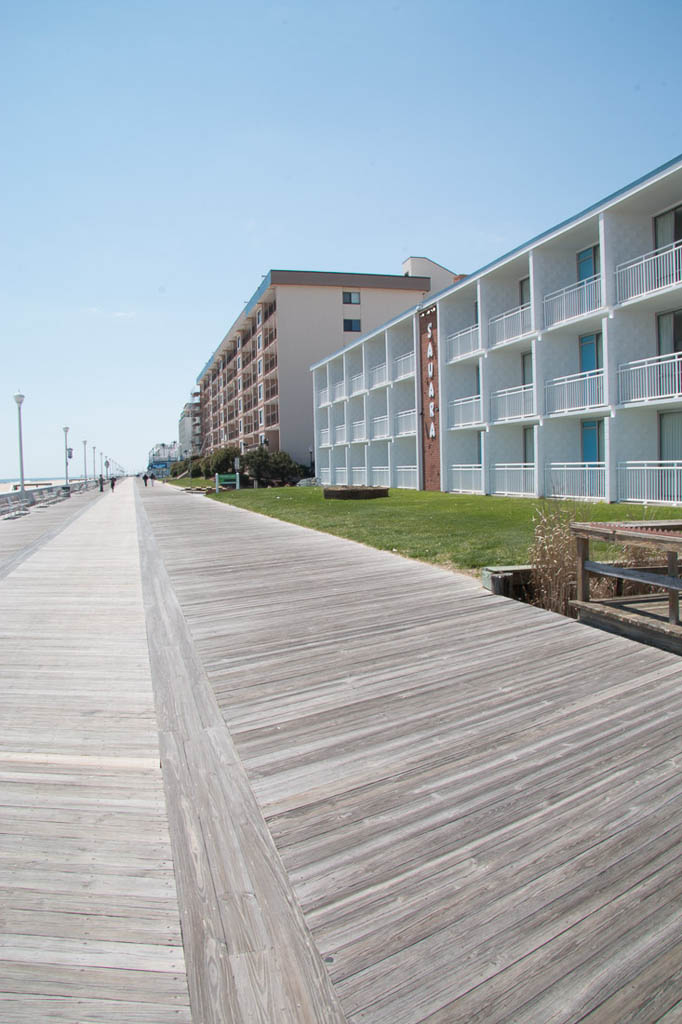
(590, 441)
(588, 263)
(590, 353)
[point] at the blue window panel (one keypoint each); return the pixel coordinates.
(590, 441)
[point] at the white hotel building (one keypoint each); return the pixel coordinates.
(556, 370)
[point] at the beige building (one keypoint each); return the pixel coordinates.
(255, 387)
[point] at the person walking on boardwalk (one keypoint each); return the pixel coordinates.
(101, 483)
(112, 481)
(145, 478)
(152, 478)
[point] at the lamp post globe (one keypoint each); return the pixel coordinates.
(19, 398)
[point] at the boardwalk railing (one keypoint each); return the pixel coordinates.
(649, 273)
(575, 480)
(466, 479)
(656, 377)
(512, 403)
(575, 300)
(463, 343)
(577, 391)
(650, 483)
(507, 326)
(464, 411)
(513, 478)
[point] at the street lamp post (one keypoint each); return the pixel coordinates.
(85, 463)
(66, 456)
(18, 398)
(94, 464)
(106, 465)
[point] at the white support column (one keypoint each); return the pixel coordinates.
(611, 471)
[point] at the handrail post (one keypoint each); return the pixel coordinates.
(583, 579)
(673, 595)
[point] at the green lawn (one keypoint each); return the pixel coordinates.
(461, 531)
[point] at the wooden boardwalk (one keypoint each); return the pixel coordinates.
(88, 909)
(389, 795)
(478, 804)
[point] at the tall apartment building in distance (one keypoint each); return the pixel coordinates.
(255, 387)
(189, 428)
(555, 370)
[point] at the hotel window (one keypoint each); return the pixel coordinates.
(590, 352)
(239, 341)
(260, 417)
(260, 392)
(351, 325)
(239, 362)
(351, 298)
(241, 426)
(239, 383)
(259, 317)
(260, 367)
(588, 263)
(261, 439)
(670, 333)
(260, 342)
(524, 291)
(668, 228)
(240, 405)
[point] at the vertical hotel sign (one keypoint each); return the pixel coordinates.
(430, 431)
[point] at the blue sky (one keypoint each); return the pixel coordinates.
(159, 157)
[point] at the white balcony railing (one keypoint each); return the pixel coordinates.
(358, 476)
(358, 431)
(324, 436)
(406, 476)
(406, 422)
(380, 476)
(575, 480)
(649, 273)
(340, 475)
(325, 476)
(403, 366)
(340, 434)
(513, 478)
(512, 403)
(466, 479)
(575, 392)
(357, 383)
(647, 379)
(576, 300)
(378, 375)
(463, 412)
(380, 426)
(339, 390)
(651, 483)
(463, 343)
(507, 326)
(323, 396)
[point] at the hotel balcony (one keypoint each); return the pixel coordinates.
(380, 476)
(574, 301)
(272, 415)
(466, 479)
(406, 477)
(509, 326)
(340, 475)
(513, 479)
(338, 391)
(464, 412)
(650, 380)
(325, 476)
(271, 390)
(575, 393)
(380, 426)
(357, 383)
(269, 363)
(323, 397)
(358, 431)
(650, 273)
(340, 434)
(463, 343)
(406, 422)
(358, 476)
(512, 404)
(324, 437)
(378, 375)
(585, 481)
(650, 483)
(403, 366)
